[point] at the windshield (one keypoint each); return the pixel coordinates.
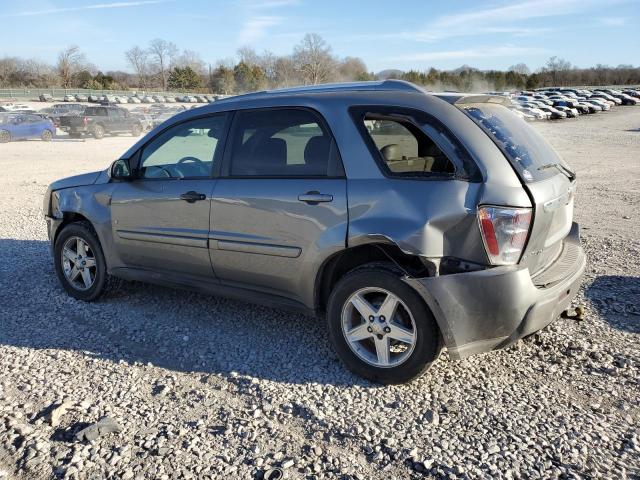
(523, 146)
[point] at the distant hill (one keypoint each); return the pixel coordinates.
(389, 73)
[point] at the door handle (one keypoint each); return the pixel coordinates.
(191, 196)
(313, 198)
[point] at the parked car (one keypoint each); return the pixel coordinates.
(483, 255)
(570, 112)
(81, 98)
(170, 99)
(25, 126)
(606, 96)
(101, 121)
(600, 103)
(158, 98)
(146, 121)
(632, 93)
(45, 97)
(15, 107)
(93, 98)
(554, 113)
(148, 99)
(69, 98)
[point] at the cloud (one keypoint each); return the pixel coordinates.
(470, 53)
(258, 22)
(613, 21)
(96, 6)
(256, 27)
(500, 19)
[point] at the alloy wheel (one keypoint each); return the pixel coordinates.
(78, 263)
(379, 327)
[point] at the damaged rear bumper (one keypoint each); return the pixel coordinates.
(489, 309)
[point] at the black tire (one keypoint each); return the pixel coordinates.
(46, 136)
(427, 345)
(136, 130)
(102, 281)
(98, 132)
(5, 137)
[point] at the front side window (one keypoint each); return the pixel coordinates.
(281, 143)
(405, 149)
(187, 150)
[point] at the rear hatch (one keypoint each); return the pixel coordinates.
(547, 179)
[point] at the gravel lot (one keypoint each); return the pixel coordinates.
(205, 387)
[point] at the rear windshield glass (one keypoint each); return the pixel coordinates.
(523, 146)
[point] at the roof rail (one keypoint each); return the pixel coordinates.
(397, 85)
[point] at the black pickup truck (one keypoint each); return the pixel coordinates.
(99, 121)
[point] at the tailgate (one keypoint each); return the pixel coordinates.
(552, 219)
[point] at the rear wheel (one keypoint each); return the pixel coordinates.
(80, 263)
(380, 327)
(98, 132)
(136, 130)
(5, 137)
(46, 136)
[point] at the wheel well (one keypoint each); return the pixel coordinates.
(341, 263)
(71, 217)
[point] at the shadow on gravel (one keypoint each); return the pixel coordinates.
(616, 298)
(173, 329)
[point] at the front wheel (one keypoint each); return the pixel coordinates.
(136, 130)
(80, 263)
(380, 327)
(46, 136)
(5, 137)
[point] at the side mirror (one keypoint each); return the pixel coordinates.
(121, 170)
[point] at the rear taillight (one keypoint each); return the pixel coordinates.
(504, 232)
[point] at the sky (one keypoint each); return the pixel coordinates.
(404, 34)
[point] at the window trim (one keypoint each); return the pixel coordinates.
(219, 153)
(337, 167)
(465, 169)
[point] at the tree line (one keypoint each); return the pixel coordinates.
(161, 65)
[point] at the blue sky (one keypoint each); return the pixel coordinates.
(385, 34)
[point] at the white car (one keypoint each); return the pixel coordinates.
(15, 107)
(69, 98)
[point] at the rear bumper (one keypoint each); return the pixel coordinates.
(489, 309)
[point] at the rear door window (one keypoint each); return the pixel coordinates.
(283, 143)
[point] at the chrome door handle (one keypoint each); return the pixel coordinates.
(313, 198)
(191, 196)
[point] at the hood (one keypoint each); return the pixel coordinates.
(75, 181)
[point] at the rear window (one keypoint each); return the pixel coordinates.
(95, 112)
(523, 146)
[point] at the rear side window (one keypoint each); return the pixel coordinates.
(282, 143)
(404, 148)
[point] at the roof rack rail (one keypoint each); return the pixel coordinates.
(397, 85)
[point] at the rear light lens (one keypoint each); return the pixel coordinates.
(504, 233)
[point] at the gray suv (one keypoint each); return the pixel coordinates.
(411, 221)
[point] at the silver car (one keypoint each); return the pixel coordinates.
(411, 221)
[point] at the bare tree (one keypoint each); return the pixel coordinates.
(520, 68)
(314, 60)
(285, 72)
(191, 59)
(70, 61)
(138, 58)
(352, 68)
(557, 68)
(163, 53)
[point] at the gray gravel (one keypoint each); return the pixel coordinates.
(205, 387)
